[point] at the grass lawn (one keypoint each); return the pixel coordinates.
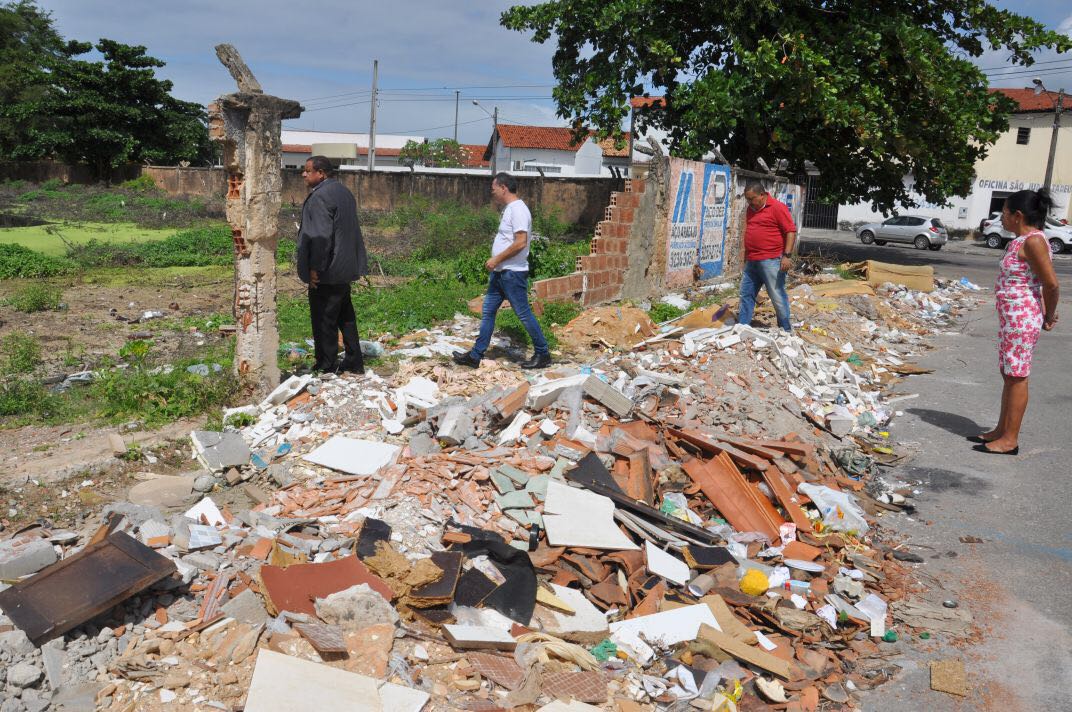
(49, 239)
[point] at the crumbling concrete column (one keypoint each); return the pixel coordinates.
(247, 125)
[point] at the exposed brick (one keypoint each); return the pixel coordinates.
(541, 289)
(576, 282)
(625, 215)
(636, 185)
(625, 200)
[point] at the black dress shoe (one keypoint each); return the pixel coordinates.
(465, 358)
(351, 367)
(537, 361)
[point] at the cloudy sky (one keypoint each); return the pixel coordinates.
(321, 54)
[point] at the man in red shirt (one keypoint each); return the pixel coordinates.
(769, 235)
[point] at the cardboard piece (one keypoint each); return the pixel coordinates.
(354, 457)
(747, 653)
(920, 279)
(575, 517)
(666, 565)
(729, 623)
(948, 676)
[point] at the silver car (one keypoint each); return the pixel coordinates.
(923, 232)
(1058, 234)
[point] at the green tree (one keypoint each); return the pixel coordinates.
(27, 41)
(108, 112)
(441, 153)
(869, 92)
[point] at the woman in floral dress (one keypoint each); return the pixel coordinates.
(1027, 294)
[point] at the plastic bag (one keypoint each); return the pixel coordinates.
(839, 509)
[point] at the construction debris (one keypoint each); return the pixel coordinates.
(689, 515)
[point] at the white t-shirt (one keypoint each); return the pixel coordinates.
(515, 218)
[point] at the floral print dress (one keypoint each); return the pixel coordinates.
(1019, 302)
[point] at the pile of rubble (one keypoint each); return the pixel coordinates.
(683, 522)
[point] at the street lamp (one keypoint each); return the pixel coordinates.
(494, 131)
(1059, 106)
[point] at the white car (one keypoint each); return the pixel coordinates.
(1057, 234)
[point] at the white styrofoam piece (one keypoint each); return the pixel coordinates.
(282, 683)
(663, 628)
(666, 565)
(585, 618)
(479, 634)
(576, 517)
(513, 431)
(354, 457)
(211, 512)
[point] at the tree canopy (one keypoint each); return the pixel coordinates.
(104, 112)
(868, 92)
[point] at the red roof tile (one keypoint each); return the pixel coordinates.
(363, 151)
(640, 102)
(297, 148)
(555, 138)
(475, 155)
(1027, 99)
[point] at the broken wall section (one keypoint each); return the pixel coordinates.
(681, 223)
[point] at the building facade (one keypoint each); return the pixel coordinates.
(554, 150)
(1017, 161)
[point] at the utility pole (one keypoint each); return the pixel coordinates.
(372, 119)
(494, 141)
(1053, 138)
(457, 95)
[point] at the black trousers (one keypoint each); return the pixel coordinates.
(331, 311)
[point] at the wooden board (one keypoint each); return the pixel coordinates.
(70, 592)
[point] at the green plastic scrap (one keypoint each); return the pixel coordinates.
(668, 507)
(604, 651)
(890, 637)
(855, 360)
(925, 635)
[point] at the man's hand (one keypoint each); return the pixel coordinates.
(491, 264)
(1048, 324)
(314, 278)
(787, 264)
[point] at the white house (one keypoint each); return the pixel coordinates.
(1015, 162)
(553, 150)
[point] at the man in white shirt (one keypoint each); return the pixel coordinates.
(509, 280)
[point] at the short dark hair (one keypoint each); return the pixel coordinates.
(1034, 204)
(755, 187)
(322, 164)
(506, 181)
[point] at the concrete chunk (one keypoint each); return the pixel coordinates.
(609, 396)
(544, 394)
(455, 426)
(354, 457)
(219, 451)
(162, 491)
(25, 555)
(247, 608)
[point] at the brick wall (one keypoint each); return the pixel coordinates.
(600, 274)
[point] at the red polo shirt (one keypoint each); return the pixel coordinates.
(765, 230)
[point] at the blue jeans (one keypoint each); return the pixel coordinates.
(512, 286)
(769, 274)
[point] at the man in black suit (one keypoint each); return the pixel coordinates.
(331, 255)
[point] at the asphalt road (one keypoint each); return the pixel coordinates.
(1018, 582)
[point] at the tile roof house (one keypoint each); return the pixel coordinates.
(555, 150)
(1029, 101)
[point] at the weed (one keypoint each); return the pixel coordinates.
(133, 453)
(21, 352)
(16, 184)
(198, 247)
(554, 314)
(240, 420)
(159, 395)
(23, 396)
(35, 297)
(661, 311)
(52, 185)
(17, 261)
(554, 259)
(142, 184)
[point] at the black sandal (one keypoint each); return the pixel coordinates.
(981, 447)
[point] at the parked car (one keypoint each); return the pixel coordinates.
(1057, 233)
(923, 232)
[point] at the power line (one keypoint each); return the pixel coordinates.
(444, 126)
(1019, 66)
(488, 86)
(1019, 72)
(338, 106)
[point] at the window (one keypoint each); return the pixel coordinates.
(1023, 135)
(914, 222)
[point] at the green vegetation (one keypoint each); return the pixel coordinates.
(441, 152)
(35, 297)
(20, 352)
(661, 311)
(783, 81)
(554, 314)
(189, 248)
(105, 112)
(17, 261)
